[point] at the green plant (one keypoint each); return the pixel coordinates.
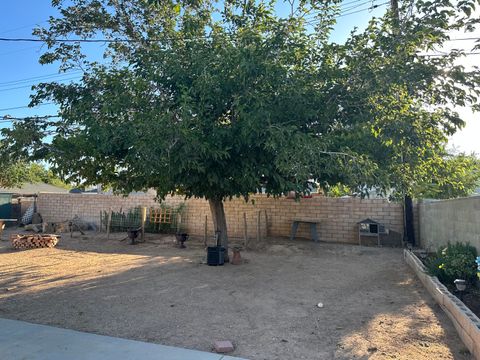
(121, 221)
(456, 261)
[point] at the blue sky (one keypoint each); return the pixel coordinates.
(19, 61)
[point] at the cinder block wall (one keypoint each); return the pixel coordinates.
(450, 220)
(338, 216)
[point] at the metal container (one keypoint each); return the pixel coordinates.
(215, 255)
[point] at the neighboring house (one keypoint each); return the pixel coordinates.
(15, 201)
(33, 188)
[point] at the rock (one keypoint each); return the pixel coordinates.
(32, 227)
(320, 305)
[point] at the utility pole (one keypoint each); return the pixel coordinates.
(408, 216)
(396, 14)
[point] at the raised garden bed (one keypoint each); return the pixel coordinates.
(455, 260)
(464, 320)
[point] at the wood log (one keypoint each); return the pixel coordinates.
(33, 241)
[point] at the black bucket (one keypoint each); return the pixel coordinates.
(215, 255)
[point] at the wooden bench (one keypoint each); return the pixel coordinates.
(313, 227)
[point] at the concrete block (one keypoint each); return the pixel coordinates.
(223, 346)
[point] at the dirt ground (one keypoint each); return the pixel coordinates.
(374, 307)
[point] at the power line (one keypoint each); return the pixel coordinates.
(30, 85)
(26, 106)
(367, 9)
(349, 2)
(355, 6)
(344, 10)
(443, 55)
(9, 119)
(19, 50)
(147, 40)
(463, 39)
(191, 38)
(23, 27)
(81, 40)
(373, 7)
(40, 77)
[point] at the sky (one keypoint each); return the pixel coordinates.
(19, 67)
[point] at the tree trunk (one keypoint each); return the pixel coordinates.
(220, 223)
(409, 220)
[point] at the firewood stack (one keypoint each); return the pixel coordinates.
(21, 242)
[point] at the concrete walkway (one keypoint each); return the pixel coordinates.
(25, 341)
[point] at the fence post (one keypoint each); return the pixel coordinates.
(206, 231)
(258, 226)
(179, 223)
(245, 233)
(266, 223)
(144, 219)
(109, 221)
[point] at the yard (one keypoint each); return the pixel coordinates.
(373, 305)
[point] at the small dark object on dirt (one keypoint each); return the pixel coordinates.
(372, 349)
(181, 238)
(133, 234)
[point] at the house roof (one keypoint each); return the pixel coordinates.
(34, 188)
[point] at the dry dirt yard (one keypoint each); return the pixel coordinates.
(374, 307)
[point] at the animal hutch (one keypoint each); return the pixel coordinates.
(371, 228)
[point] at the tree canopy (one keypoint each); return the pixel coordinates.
(455, 176)
(12, 174)
(18, 173)
(399, 99)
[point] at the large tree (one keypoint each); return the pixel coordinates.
(12, 175)
(212, 100)
(220, 100)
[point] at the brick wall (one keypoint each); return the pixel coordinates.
(338, 215)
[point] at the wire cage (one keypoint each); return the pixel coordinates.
(121, 221)
(163, 219)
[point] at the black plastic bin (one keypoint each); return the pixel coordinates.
(215, 255)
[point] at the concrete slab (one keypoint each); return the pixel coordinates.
(25, 341)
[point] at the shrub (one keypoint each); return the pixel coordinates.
(456, 261)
